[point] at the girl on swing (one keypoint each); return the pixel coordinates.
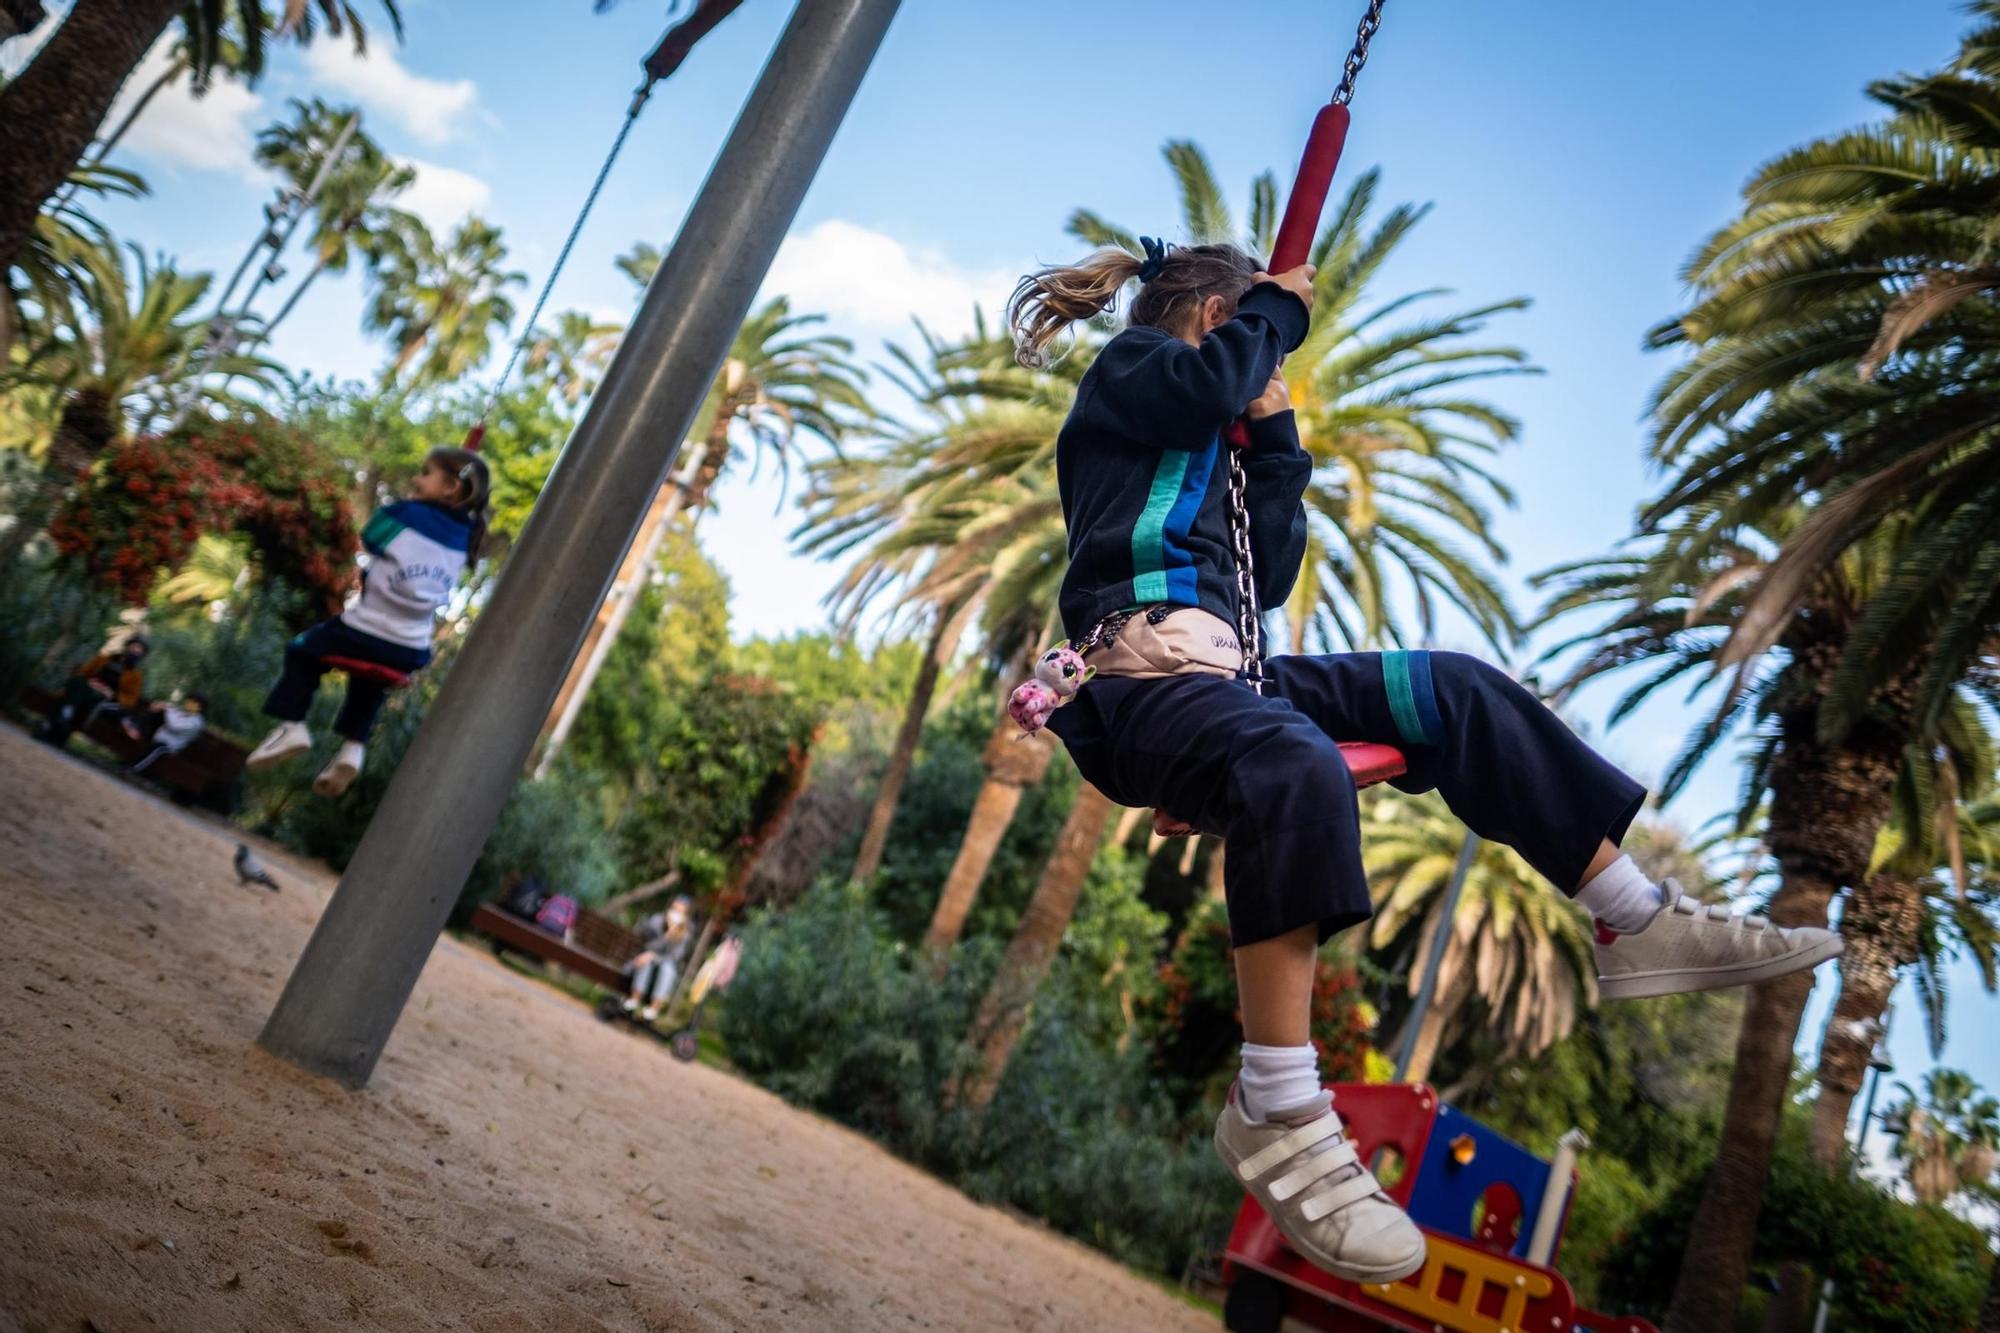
(1168, 721)
(417, 548)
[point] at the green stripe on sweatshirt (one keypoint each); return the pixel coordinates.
(1403, 698)
(1149, 545)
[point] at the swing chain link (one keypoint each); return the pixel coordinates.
(1357, 55)
(1249, 622)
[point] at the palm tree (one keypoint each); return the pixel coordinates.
(1673, 617)
(1901, 914)
(440, 305)
(127, 352)
(1950, 1139)
(1846, 334)
(1518, 950)
(779, 386)
(570, 357)
(66, 252)
(1843, 353)
(51, 111)
(353, 210)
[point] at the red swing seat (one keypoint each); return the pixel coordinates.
(387, 677)
(1371, 763)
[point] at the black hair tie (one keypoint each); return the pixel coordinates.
(1156, 257)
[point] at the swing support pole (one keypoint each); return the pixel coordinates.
(363, 959)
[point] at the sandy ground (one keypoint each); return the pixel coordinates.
(515, 1165)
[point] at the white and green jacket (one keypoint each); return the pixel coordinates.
(417, 551)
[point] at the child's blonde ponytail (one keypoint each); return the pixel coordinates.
(1175, 281)
(1048, 302)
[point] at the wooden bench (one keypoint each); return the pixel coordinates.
(207, 772)
(598, 948)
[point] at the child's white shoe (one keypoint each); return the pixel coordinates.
(338, 775)
(1695, 946)
(651, 1013)
(1326, 1203)
(631, 1004)
(286, 739)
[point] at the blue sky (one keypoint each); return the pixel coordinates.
(1575, 152)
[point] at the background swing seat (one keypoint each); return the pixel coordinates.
(387, 677)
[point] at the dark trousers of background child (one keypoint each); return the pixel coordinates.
(1265, 772)
(305, 662)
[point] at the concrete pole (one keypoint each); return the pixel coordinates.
(362, 961)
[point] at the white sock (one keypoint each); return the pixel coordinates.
(1621, 897)
(1277, 1078)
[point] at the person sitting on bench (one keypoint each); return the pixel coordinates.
(172, 727)
(657, 967)
(112, 682)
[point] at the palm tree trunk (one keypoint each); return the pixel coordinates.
(609, 621)
(87, 427)
(1003, 1013)
(1827, 804)
(407, 354)
(1013, 764)
(713, 459)
(1881, 925)
(49, 113)
(875, 840)
(175, 68)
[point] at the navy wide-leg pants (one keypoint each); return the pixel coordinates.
(291, 698)
(1265, 772)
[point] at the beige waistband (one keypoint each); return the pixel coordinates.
(1188, 641)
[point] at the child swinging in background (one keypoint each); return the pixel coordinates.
(417, 549)
(1166, 721)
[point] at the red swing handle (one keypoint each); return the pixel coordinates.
(1310, 188)
(1302, 211)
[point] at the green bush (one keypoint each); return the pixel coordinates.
(931, 819)
(1895, 1268)
(831, 1010)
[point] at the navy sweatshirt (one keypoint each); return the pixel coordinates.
(1145, 484)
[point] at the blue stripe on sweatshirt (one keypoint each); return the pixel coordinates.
(1176, 559)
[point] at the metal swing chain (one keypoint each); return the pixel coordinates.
(1249, 616)
(1249, 620)
(569, 243)
(1357, 55)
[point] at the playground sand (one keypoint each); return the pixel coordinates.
(514, 1165)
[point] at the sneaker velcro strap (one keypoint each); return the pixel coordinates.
(1340, 1157)
(1335, 1197)
(1288, 1147)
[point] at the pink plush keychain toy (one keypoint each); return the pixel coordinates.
(1059, 674)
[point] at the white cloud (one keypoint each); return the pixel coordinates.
(869, 281)
(430, 109)
(208, 133)
(442, 196)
